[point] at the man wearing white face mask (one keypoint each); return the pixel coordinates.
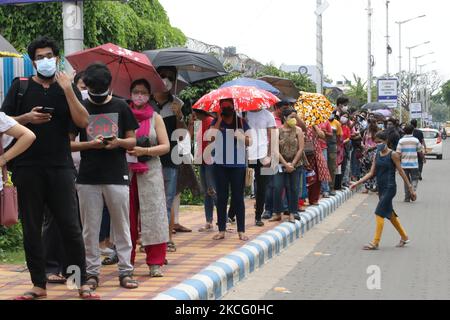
(44, 174)
(169, 107)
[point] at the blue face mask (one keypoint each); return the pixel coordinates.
(46, 67)
(381, 147)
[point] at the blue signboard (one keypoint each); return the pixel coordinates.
(28, 1)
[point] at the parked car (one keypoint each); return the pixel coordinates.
(433, 141)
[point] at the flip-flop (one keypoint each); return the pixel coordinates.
(28, 296)
(57, 279)
(182, 229)
(88, 294)
(219, 237)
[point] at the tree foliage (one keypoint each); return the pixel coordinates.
(136, 25)
(302, 82)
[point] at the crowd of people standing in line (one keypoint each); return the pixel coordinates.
(79, 185)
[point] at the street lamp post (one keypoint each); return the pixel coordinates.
(419, 57)
(409, 72)
(400, 23)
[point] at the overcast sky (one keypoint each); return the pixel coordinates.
(284, 31)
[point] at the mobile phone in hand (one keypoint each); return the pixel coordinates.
(107, 139)
(47, 110)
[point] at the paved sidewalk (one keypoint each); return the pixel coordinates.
(195, 251)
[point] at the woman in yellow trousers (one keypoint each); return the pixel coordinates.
(384, 166)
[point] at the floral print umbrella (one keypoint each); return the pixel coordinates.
(314, 108)
(244, 98)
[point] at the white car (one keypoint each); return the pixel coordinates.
(433, 141)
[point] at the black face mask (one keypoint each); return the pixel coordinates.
(98, 99)
(227, 112)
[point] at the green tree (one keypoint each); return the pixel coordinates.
(445, 93)
(136, 25)
(302, 82)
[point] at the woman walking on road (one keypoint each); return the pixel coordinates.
(384, 165)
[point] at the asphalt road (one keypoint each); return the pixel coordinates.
(329, 263)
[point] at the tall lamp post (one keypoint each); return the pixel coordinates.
(400, 23)
(410, 74)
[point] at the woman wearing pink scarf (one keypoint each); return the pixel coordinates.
(148, 211)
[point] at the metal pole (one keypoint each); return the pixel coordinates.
(410, 78)
(72, 14)
(400, 70)
(369, 57)
(387, 38)
(319, 51)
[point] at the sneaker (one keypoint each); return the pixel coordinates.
(231, 221)
(332, 193)
(297, 216)
(266, 215)
(326, 195)
(156, 272)
(259, 223)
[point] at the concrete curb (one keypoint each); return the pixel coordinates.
(219, 277)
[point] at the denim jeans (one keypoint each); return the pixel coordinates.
(413, 177)
(355, 164)
(291, 183)
(170, 186)
(325, 187)
(233, 179)
(209, 187)
(269, 197)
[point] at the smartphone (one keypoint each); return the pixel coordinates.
(47, 110)
(107, 139)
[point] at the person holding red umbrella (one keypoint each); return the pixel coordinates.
(230, 166)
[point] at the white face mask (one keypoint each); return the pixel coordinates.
(344, 120)
(345, 108)
(84, 94)
(168, 84)
(46, 67)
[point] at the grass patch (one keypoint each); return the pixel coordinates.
(12, 257)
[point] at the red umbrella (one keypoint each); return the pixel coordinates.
(125, 66)
(244, 98)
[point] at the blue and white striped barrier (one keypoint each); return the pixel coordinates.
(11, 68)
(218, 278)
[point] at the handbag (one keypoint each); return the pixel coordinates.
(311, 177)
(9, 208)
(309, 147)
(143, 142)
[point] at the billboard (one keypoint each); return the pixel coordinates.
(388, 92)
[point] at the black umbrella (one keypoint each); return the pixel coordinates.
(6, 46)
(192, 66)
(375, 106)
(286, 86)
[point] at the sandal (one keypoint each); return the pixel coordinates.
(92, 282)
(206, 228)
(275, 218)
(127, 282)
(109, 261)
(243, 237)
(180, 228)
(155, 271)
(403, 243)
(88, 294)
(171, 247)
(291, 218)
(28, 296)
(56, 278)
(219, 236)
(371, 247)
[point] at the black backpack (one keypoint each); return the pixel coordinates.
(23, 87)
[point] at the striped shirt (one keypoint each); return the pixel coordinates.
(408, 147)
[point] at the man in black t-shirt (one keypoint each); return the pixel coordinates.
(419, 135)
(103, 176)
(44, 174)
